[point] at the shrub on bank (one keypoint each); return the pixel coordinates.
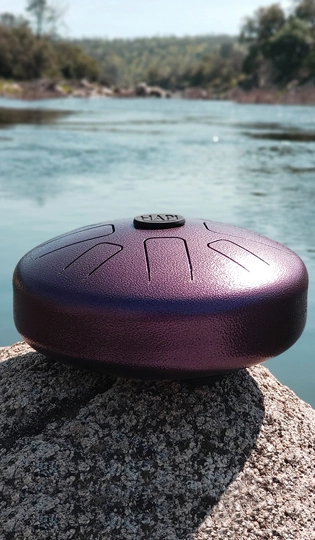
(24, 56)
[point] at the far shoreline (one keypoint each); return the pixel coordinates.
(51, 89)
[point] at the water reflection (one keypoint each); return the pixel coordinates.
(295, 170)
(296, 136)
(258, 125)
(11, 117)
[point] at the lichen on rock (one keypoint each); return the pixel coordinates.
(88, 456)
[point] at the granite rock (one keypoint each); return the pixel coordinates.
(88, 456)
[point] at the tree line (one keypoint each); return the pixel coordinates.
(274, 48)
(170, 62)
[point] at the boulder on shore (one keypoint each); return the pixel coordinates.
(89, 456)
(144, 90)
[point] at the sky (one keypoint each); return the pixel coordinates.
(136, 18)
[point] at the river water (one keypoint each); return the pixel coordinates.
(73, 162)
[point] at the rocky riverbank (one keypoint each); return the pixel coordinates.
(295, 95)
(90, 456)
(48, 89)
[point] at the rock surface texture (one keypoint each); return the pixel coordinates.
(87, 456)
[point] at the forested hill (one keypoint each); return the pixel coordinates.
(274, 51)
(170, 62)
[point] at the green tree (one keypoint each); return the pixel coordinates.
(305, 10)
(256, 33)
(265, 23)
(278, 46)
(289, 48)
(24, 57)
(12, 21)
(45, 16)
(74, 63)
(38, 12)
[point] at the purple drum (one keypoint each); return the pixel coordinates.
(161, 297)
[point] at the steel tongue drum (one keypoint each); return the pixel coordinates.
(161, 297)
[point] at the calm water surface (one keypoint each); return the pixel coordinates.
(68, 163)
